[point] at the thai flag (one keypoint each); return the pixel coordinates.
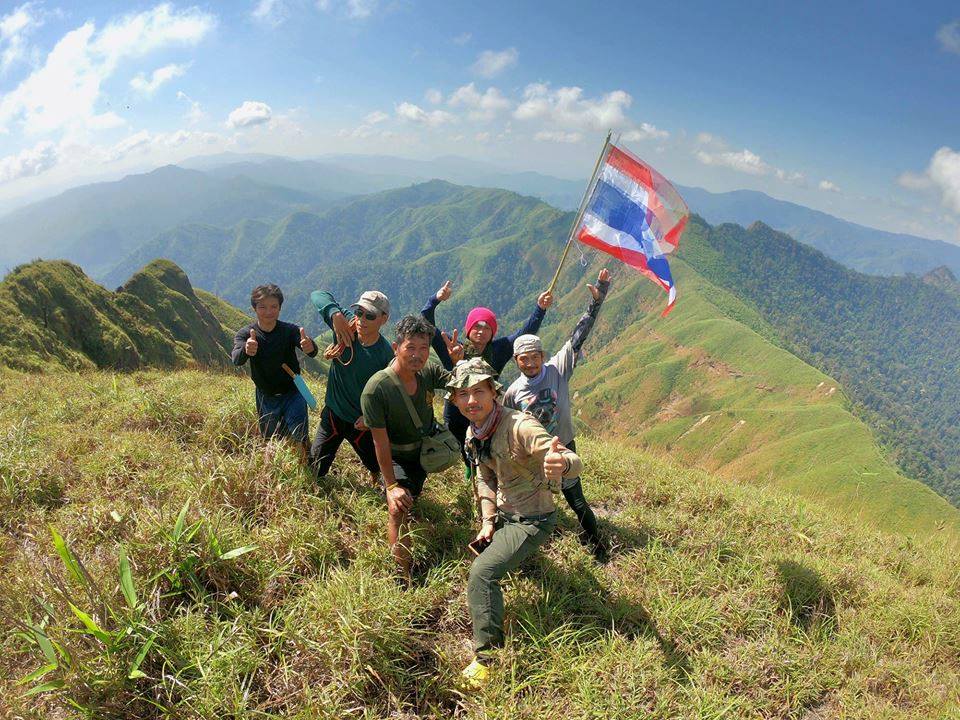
(636, 215)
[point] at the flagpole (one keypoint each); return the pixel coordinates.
(583, 202)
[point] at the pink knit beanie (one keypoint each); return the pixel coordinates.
(480, 314)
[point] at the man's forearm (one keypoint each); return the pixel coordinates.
(582, 330)
(381, 444)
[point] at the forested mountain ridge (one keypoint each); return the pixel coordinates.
(865, 249)
(893, 343)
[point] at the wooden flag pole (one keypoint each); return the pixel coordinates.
(583, 202)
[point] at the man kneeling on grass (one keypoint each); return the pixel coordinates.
(269, 344)
(520, 467)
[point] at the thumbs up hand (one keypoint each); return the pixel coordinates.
(554, 463)
(251, 346)
(445, 291)
(306, 344)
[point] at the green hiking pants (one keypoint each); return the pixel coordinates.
(515, 539)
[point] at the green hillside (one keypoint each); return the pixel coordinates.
(202, 582)
(709, 391)
(893, 343)
(53, 315)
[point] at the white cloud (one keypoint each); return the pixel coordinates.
(482, 107)
(944, 172)
(270, 12)
(251, 112)
(490, 62)
(462, 38)
(32, 161)
(14, 28)
(63, 93)
(558, 136)
(949, 37)
(157, 78)
(361, 9)
(138, 35)
(645, 131)
(482, 137)
(106, 121)
(568, 108)
(794, 178)
(913, 181)
(942, 175)
(195, 114)
(743, 161)
(433, 96)
(377, 116)
(415, 114)
(714, 151)
(828, 186)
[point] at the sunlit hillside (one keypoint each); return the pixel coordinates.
(154, 565)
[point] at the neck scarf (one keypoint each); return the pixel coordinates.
(489, 425)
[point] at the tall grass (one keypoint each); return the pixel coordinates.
(156, 565)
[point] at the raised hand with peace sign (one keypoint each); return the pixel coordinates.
(454, 346)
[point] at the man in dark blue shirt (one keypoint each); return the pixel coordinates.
(268, 344)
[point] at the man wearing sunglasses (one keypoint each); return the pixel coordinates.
(365, 351)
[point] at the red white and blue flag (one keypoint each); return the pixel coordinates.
(636, 215)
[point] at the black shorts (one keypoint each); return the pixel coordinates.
(332, 431)
(410, 476)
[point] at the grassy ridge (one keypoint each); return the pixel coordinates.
(272, 596)
(712, 392)
(53, 315)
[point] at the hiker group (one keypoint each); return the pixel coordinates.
(517, 445)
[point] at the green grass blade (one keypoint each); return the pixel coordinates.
(126, 580)
(181, 521)
(45, 687)
(91, 625)
(45, 645)
(135, 672)
(66, 556)
(237, 552)
(37, 674)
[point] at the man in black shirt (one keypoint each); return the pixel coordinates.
(268, 344)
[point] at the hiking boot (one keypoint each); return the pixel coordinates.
(475, 676)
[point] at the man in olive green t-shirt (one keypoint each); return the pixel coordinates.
(395, 436)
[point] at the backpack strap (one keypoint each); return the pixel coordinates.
(417, 420)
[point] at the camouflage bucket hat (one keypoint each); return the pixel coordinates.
(472, 372)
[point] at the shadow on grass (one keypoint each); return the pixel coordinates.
(807, 597)
(573, 597)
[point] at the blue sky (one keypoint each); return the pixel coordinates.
(846, 107)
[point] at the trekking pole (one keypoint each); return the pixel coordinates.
(583, 202)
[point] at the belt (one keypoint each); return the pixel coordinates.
(517, 517)
(405, 447)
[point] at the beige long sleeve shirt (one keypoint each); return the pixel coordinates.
(512, 478)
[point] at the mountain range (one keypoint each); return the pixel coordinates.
(97, 225)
